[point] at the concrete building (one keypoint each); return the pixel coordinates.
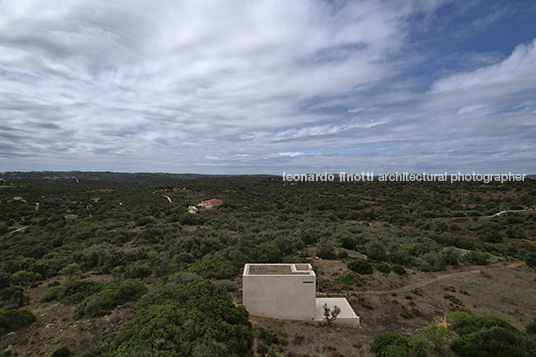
(209, 204)
(288, 291)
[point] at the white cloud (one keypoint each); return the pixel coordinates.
(517, 72)
(141, 85)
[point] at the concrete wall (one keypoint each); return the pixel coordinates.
(286, 296)
(347, 315)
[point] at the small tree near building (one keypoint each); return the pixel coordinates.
(348, 280)
(331, 315)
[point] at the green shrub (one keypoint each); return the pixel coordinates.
(14, 319)
(530, 259)
(142, 221)
(399, 269)
(262, 349)
(495, 341)
(228, 287)
(406, 315)
(384, 268)
(23, 277)
(51, 294)
(138, 271)
(464, 324)
(70, 269)
(384, 344)
(6, 353)
(268, 336)
(476, 257)
(531, 327)
(73, 291)
(13, 296)
(99, 304)
(129, 290)
(202, 315)
(102, 303)
(62, 352)
(360, 266)
(465, 346)
(213, 268)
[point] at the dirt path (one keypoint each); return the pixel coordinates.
(20, 229)
(169, 199)
(420, 284)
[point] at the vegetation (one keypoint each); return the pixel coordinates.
(360, 266)
(103, 302)
(331, 315)
(199, 320)
(384, 268)
(11, 320)
(114, 239)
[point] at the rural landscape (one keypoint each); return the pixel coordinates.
(111, 264)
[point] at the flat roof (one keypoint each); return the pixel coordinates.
(278, 269)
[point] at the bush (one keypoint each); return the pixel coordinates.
(73, 291)
(325, 249)
(51, 294)
(343, 254)
(213, 269)
(384, 268)
(399, 269)
(14, 319)
(386, 343)
(360, 266)
(102, 303)
(62, 352)
(376, 250)
(201, 314)
(495, 341)
(464, 324)
(13, 296)
(268, 336)
(530, 259)
(476, 257)
(228, 287)
(142, 221)
(531, 327)
(138, 271)
(262, 349)
(70, 269)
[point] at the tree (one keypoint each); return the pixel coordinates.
(376, 250)
(331, 315)
(438, 335)
(386, 343)
(325, 249)
(451, 256)
(419, 346)
(360, 266)
(14, 319)
(348, 280)
(70, 269)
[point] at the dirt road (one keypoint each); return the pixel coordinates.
(420, 284)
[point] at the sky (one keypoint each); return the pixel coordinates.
(266, 87)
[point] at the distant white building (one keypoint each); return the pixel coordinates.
(288, 291)
(193, 209)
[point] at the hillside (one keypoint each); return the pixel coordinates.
(97, 258)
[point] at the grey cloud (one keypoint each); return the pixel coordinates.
(125, 83)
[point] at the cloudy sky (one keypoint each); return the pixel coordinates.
(268, 86)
